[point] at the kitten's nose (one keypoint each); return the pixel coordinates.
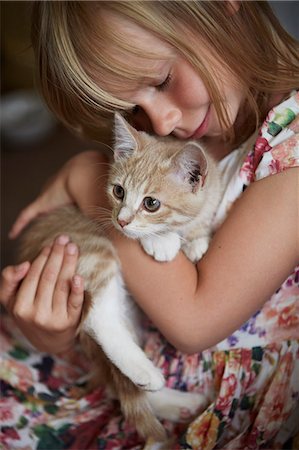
(122, 222)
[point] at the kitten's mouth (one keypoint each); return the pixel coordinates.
(132, 234)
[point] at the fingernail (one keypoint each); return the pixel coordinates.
(71, 249)
(21, 267)
(62, 240)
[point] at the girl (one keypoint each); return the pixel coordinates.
(222, 72)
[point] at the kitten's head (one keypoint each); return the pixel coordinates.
(155, 184)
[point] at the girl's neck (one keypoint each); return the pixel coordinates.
(218, 148)
(277, 98)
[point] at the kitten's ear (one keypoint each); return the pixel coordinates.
(191, 165)
(124, 141)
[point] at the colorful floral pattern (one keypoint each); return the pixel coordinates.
(253, 375)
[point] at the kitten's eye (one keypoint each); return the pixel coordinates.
(151, 204)
(118, 191)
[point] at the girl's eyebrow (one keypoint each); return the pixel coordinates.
(147, 79)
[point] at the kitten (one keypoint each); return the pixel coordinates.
(163, 192)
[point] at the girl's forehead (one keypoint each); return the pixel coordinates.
(135, 37)
(132, 40)
(133, 55)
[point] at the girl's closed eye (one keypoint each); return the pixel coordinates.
(165, 83)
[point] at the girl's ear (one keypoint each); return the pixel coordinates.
(125, 143)
(191, 165)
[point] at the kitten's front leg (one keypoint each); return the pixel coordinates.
(111, 324)
(195, 249)
(162, 247)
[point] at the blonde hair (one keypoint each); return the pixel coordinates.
(72, 44)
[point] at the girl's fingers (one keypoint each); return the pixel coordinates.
(49, 276)
(64, 281)
(25, 216)
(27, 292)
(10, 280)
(76, 298)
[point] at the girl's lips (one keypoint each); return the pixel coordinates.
(201, 130)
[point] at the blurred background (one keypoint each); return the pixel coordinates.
(33, 144)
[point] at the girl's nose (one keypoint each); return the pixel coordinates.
(164, 118)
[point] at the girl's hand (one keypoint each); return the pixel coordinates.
(81, 180)
(46, 297)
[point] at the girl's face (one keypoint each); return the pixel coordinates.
(173, 98)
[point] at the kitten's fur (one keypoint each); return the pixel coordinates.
(185, 182)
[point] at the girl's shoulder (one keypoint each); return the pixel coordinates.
(276, 147)
(270, 150)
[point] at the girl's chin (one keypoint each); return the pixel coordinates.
(217, 134)
(213, 137)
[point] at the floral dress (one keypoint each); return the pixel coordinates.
(254, 373)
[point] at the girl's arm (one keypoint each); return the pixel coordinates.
(248, 259)
(81, 180)
(250, 256)
(45, 297)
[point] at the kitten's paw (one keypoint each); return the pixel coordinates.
(152, 383)
(162, 248)
(177, 406)
(195, 249)
(146, 376)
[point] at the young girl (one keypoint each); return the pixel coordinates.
(222, 72)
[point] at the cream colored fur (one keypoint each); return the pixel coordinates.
(182, 176)
(184, 180)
